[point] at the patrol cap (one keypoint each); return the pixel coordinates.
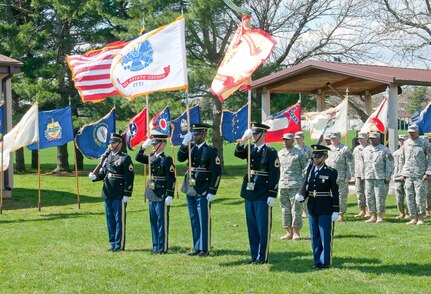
(335, 135)
(327, 136)
(374, 135)
(200, 128)
(259, 127)
(115, 138)
(412, 128)
(158, 138)
(319, 150)
(299, 135)
(402, 137)
(288, 136)
(362, 136)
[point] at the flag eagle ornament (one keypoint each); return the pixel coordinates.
(155, 61)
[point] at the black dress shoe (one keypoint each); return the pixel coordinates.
(193, 253)
(116, 250)
(317, 267)
(259, 261)
(204, 253)
(110, 249)
(251, 261)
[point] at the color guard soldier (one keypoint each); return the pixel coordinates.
(159, 191)
(321, 187)
(261, 191)
(200, 185)
(116, 171)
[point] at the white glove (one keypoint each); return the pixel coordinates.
(334, 216)
(210, 197)
(147, 143)
(299, 198)
(187, 138)
(270, 201)
(248, 133)
(125, 199)
(92, 176)
(168, 201)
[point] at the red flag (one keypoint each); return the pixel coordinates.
(285, 121)
(91, 72)
(137, 129)
(248, 50)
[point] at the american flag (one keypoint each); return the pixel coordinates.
(91, 72)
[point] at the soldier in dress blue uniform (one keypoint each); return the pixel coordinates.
(160, 190)
(260, 192)
(321, 188)
(200, 185)
(116, 171)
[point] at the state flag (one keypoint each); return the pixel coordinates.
(137, 129)
(234, 124)
(160, 123)
(179, 125)
(285, 121)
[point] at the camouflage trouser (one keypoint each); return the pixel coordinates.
(360, 192)
(415, 190)
(291, 209)
(375, 192)
(343, 189)
(400, 195)
(429, 194)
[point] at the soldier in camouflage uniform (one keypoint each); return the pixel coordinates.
(427, 210)
(416, 171)
(378, 168)
(299, 138)
(327, 139)
(292, 165)
(340, 158)
(359, 173)
(397, 177)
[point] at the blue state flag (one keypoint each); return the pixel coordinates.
(160, 124)
(55, 128)
(93, 139)
(1, 121)
(234, 124)
(179, 125)
(423, 120)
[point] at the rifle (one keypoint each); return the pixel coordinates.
(102, 162)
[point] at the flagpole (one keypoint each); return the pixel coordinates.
(38, 170)
(347, 119)
(188, 130)
(248, 143)
(175, 170)
(147, 117)
(76, 176)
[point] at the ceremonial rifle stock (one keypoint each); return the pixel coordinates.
(101, 163)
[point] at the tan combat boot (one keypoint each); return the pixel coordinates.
(372, 218)
(420, 220)
(340, 217)
(401, 215)
(427, 213)
(362, 213)
(380, 216)
(304, 214)
(288, 235)
(414, 220)
(296, 236)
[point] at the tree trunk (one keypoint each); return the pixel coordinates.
(217, 138)
(34, 157)
(19, 160)
(62, 159)
(79, 158)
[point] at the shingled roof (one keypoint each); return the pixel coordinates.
(6, 63)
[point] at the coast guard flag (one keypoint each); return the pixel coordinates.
(333, 119)
(55, 128)
(179, 125)
(91, 72)
(378, 120)
(234, 124)
(423, 121)
(137, 129)
(93, 139)
(1, 121)
(285, 121)
(160, 123)
(247, 51)
(155, 61)
(22, 134)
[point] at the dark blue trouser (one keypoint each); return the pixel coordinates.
(200, 219)
(321, 234)
(159, 221)
(116, 222)
(259, 221)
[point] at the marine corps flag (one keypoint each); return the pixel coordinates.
(247, 51)
(137, 129)
(93, 139)
(155, 61)
(55, 128)
(285, 121)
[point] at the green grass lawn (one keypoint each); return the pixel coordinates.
(63, 249)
